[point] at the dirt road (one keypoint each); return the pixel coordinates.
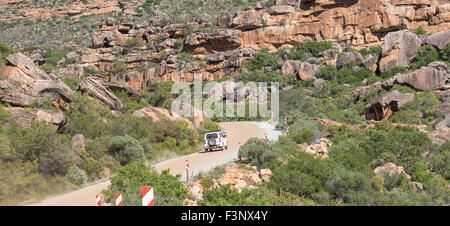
(201, 161)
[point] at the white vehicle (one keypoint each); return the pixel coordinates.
(216, 140)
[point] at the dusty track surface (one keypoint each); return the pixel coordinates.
(199, 162)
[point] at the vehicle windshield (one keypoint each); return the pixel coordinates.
(211, 135)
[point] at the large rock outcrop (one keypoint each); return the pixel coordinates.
(398, 49)
(23, 83)
(384, 106)
(434, 76)
(25, 118)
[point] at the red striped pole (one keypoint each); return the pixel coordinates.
(98, 200)
(187, 170)
(287, 130)
(147, 196)
(265, 135)
(119, 200)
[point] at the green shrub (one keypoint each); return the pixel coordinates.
(440, 161)
(41, 144)
(258, 151)
(77, 176)
(4, 115)
(207, 183)
(126, 149)
(272, 76)
(53, 56)
(395, 70)
(130, 43)
(328, 72)
(419, 172)
(304, 137)
(445, 52)
(309, 48)
(5, 51)
(302, 175)
(262, 59)
(350, 155)
(185, 57)
(128, 180)
(371, 50)
(421, 31)
(352, 187)
(118, 68)
(425, 55)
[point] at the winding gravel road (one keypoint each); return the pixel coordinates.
(199, 162)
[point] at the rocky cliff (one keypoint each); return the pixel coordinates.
(221, 47)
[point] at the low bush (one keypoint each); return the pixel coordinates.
(258, 151)
(168, 190)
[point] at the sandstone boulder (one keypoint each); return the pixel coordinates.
(349, 60)
(370, 61)
(398, 49)
(156, 114)
(25, 118)
(265, 174)
(384, 106)
(439, 39)
(96, 90)
(434, 76)
(330, 56)
(390, 169)
(319, 148)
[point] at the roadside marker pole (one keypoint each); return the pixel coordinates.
(187, 170)
(287, 130)
(98, 200)
(147, 196)
(119, 200)
(265, 135)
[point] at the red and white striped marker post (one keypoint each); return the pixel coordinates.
(98, 200)
(187, 170)
(287, 130)
(119, 200)
(265, 135)
(147, 196)
(285, 121)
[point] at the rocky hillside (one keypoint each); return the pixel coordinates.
(364, 84)
(14, 10)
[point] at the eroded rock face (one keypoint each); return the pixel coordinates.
(399, 49)
(25, 83)
(384, 106)
(434, 76)
(96, 90)
(24, 118)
